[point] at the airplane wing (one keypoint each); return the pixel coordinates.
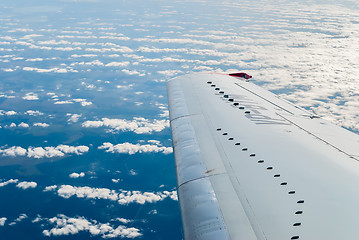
(253, 166)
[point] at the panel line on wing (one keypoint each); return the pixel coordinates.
(188, 115)
(237, 188)
(194, 179)
(319, 138)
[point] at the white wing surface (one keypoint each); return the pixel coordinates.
(253, 166)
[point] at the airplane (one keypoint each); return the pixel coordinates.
(251, 165)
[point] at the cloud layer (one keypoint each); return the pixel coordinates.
(43, 152)
(123, 197)
(137, 125)
(129, 148)
(64, 226)
(26, 185)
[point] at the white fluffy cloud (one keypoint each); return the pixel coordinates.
(50, 188)
(76, 175)
(132, 72)
(2, 184)
(41, 125)
(30, 96)
(34, 60)
(42, 70)
(86, 104)
(170, 73)
(83, 102)
(117, 64)
(25, 185)
(2, 221)
(33, 113)
(7, 113)
(129, 148)
(73, 117)
(23, 125)
(19, 219)
(63, 102)
(63, 225)
(123, 197)
(13, 151)
(137, 125)
(43, 152)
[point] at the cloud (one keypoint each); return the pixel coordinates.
(79, 150)
(30, 96)
(86, 104)
(34, 60)
(123, 197)
(165, 114)
(34, 113)
(76, 175)
(114, 49)
(50, 188)
(132, 72)
(154, 142)
(23, 125)
(54, 70)
(137, 125)
(83, 102)
(6, 96)
(92, 63)
(54, 42)
(2, 184)
(127, 197)
(67, 191)
(117, 64)
(25, 185)
(19, 219)
(41, 125)
(129, 148)
(7, 113)
(2, 221)
(125, 86)
(123, 220)
(13, 151)
(177, 41)
(67, 48)
(63, 102)
(154, 211)
(161, 50)
(43, 152)
(83, 55)
(64, 226)
(48, 152)
(170, 73)
(73, 117)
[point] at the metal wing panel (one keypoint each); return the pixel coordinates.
(275, 171)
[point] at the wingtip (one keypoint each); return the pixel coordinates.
(240, 75)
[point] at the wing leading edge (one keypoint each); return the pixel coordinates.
(253, 166)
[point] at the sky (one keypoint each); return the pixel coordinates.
(85, 147)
